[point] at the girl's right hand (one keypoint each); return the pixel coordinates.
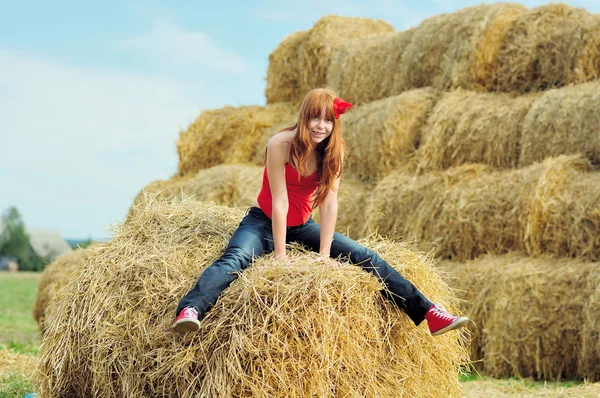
(331, 262)
(283, 259)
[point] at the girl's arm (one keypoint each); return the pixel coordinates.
(328, 211)
(277, 156)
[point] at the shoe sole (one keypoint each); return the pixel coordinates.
(457, 324)
(186, 325)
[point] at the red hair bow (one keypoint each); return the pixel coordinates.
(340, 106)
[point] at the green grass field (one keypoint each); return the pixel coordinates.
(19, 334)
(18, 329)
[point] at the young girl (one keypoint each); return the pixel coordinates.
(302, 171)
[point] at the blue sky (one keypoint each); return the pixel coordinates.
(93, 96)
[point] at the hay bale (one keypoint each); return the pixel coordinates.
(468, 127)
(294, 331)
(587, 64)
(234, 185)
(563, 121)
(55, 276)
(229, 135)
(362, 70)
(383, 135)
(540, 50)
(470, 210)
(443, 213)
(301, 61)
(283, 84)
(486, 47)
(441, 47)
(564, 210)
(535, 317)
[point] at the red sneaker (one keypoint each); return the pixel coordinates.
(187, 321)
(441, 321)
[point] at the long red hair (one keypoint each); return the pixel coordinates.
(330, 153)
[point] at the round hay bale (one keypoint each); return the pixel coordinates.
(298, 330)
(587, 64)
(468, 127)
(383, 135)
(541, 49)
(448, 212)
(534, 316)
(440, 48)
(484, 58)
(55, 276)
(563, 122)
(362, 70)
(469, 210)
(284, 69)
(564, 210)
(229, 135)
(313, 51)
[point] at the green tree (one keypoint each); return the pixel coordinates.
(14, 241)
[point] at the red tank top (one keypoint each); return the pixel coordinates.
(299, 195)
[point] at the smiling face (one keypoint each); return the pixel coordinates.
(320, 127)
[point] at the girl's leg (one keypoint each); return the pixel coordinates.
(403, 292)
(252, 238)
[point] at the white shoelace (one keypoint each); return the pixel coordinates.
(442, 313)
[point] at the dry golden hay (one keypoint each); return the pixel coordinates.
(468, 127)
(525, 389)
(563, 121)
(535, 317)
(440, 48)
(541, 49)
(12, 363)
(234, 185)
(587, 65)
(487, 45)
(362, 70)
(174, 186)
(229, 135)
(307, 55)
(564, 210)
(294, 331)
(470, 210)
(56, 276)
(383, 135)
(283, 84)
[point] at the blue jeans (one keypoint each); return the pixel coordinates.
(254, 237)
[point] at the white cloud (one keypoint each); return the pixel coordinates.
(168, 43)
(96, 136)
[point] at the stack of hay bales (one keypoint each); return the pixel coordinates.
(535, 317)
(470, 210)
(294, 330)
(506, 163)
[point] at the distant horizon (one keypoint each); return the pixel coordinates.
(94, 96)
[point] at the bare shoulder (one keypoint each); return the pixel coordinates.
(280, 143)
